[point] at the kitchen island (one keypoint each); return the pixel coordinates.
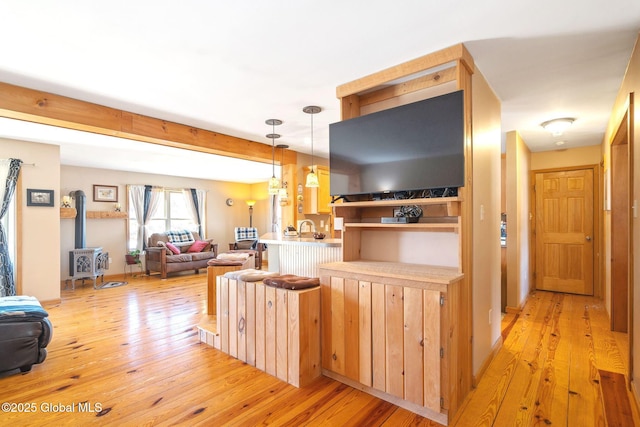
(300, 255)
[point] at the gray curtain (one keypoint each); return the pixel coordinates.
(9, 171)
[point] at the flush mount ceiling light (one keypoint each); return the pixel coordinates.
(274, 184)
(558, 126)
(312, 178)
(560, 143)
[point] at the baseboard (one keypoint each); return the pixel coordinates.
(475, 379)
(512, 310)
(51, 302)
(439, 417)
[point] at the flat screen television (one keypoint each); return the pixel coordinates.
(417, 146)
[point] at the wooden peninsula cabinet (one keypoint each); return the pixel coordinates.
(392, 328)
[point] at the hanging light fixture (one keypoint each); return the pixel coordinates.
(282, 192)
(312, 178)
(274, 184)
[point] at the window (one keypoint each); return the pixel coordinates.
(172, 214)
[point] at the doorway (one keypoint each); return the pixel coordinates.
(564, 229)
(620, 228)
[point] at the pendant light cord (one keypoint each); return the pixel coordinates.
(312, 144)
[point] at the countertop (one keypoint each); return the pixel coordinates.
(279, 239)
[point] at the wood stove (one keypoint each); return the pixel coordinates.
(85, 263)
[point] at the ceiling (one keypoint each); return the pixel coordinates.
(229, 66)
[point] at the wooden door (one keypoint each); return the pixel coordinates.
(564, 231)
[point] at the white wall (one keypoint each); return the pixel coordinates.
(518, 222)
(486, 220)
(39, 234)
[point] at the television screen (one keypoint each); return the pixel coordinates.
(415, 146)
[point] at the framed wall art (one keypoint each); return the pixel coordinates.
(105, 193)
(39, 197)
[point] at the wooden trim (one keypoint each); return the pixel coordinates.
(106, 215)
(631, 142)
(485, 365)
(514, 310)
(453, 53)
(46, 108)
(419, 83)
(420, 410)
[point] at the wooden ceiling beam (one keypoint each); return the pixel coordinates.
(50, 109)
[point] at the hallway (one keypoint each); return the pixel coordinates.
(559, 365)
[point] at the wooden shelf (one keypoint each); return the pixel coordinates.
(429, 226)
(452, 204)
(400, 202)
(67, 213)
(106, 215)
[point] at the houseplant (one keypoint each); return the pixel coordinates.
(133, 257)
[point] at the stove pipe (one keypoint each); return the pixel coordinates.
(81, 218)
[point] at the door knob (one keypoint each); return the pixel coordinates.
(588, 238)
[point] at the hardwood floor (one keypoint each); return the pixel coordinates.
(132, 355)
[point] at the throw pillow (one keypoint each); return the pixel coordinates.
(173, 248)
(180, 236)
(197, 246)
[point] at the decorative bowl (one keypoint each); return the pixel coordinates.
(319, 236)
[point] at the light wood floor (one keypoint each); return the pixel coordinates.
(133, 352)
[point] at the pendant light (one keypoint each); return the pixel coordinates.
(312, 178)
(282, 193)
(274, 184)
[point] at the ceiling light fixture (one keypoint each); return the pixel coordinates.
(312, 178)
(282, 193)
(560, 143)
(274, 184)
(558, 126)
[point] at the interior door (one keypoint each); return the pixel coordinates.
(564, 231)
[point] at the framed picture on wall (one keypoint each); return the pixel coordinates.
(105, 193)
(39, 197)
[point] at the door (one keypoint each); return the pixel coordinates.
(564, 231)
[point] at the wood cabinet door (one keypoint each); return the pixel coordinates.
(317, 200)
(564, 231)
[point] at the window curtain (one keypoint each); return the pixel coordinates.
(195, 207)
(144, 200)
(9, 171)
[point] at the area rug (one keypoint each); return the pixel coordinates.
(111, 285)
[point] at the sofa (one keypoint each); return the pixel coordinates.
(25, 332)
(178, 250)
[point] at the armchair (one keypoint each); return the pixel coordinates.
(247, 240)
